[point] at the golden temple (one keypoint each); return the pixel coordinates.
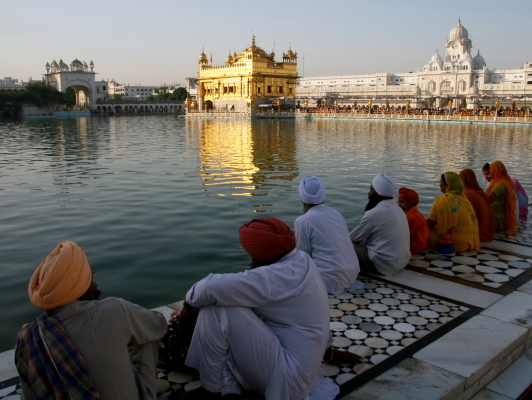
(247, 81)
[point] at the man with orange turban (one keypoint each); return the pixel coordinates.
(104, 349)
(265, 330)
(419, 231)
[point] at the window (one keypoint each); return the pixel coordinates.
(290, 90)
(103, 87)
(280, 89)
(231, 89)
(225, 89)
(269, 89)
(258, 89)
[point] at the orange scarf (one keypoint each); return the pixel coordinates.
(500, 175)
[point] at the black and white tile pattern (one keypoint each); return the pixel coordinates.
(484, 267)
(375, 323)
(523, 237)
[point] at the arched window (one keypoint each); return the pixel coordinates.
(462, 86)
(432, 86)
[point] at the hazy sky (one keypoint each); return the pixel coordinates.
(155, 42)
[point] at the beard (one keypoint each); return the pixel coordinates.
(372, 202)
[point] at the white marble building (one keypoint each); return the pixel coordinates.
(13, 85)
(130, 92)
(457, 76)
(77, 76)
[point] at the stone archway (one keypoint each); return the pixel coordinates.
(83, 95)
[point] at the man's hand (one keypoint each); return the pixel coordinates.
(187, 321)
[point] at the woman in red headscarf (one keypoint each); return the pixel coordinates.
(481, 205)
(419, 230)
(503, 200)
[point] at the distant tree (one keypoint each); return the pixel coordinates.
(115, 97)
(38, 93)
(70, 97)
(180, 94)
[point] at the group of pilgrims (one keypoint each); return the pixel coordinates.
(264, 330)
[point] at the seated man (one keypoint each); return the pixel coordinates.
(82, 347)
(322, 233)
(264, 330)
(382, 239)
(419, 230)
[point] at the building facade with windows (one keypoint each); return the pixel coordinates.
(13, 85)
(458, 79)
(247, 80)
(130, 92)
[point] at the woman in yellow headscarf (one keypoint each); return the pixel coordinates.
(503, 199)
(453, 213)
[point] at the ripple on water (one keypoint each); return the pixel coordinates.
(157, 201)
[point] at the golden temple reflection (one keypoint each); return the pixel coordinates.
(243, 157)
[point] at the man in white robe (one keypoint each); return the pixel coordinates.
(322, 233)
(382, 239)
(264, 330)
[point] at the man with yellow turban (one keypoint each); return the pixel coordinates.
(83, 347)
(264, 330)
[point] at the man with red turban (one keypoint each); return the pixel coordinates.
(264, 330)
(82, 347)
(419, 230)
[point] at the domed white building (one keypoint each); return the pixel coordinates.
(77, 76)
(454, 76)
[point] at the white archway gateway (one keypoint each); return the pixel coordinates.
(77, 76)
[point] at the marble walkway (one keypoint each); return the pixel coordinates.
(446, 327)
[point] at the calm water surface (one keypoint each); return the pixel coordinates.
(156, 201)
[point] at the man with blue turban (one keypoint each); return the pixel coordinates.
(382, 239)
(322, 233)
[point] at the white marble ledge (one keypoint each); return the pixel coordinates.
(473, 348)
(486, 394)
(526, 288)
(515, 308)
(441, 287)
(164, 310)
(7, 365)
(411, 380)
(515, 379)
(509, 247)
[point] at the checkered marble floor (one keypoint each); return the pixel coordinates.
(375, 323)
(524, 236)
(484, 267)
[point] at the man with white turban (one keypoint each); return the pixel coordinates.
(382, 239)
(322, 233)
(83, 347)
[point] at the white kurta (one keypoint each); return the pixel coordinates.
(265, 329)
(322, 233)
(384, 230)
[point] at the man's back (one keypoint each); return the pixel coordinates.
(385, 231)
(322, 233)
(291, 298)
(118, 341)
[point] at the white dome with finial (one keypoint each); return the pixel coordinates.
(458, 32)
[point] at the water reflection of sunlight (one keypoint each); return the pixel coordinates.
(242, 157)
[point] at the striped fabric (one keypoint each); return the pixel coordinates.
(49, 364)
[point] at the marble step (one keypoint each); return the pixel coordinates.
(464, 361)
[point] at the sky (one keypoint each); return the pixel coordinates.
(158, 42)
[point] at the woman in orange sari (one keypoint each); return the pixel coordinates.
(452, 213)
(503, 199)
(481, 205)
